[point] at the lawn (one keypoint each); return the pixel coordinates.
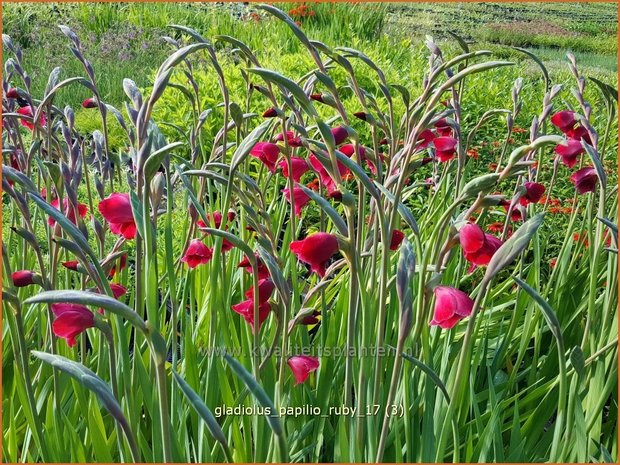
(310, 232)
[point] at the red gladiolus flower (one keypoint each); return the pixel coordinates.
(216, 217)
(89, 103)
(533, 192)
(425, 138)
(197, 254)
(12, 93)
(443, 128)
(121, 266)
(267, 153)
(311, 319)
(117, 211)
(71, 320)
(300, 198)
(579, 133)
(290, 138)
(299, 165)
(451, 306)
(270, 113)
(69, 211)
(564, 120)
(397, 238)
(340, 134)
(71, 265)
(584, 179)
(302, 366)
(263, 271)
(23, 278)
(478, 247)
(118, 290)
(515, 213)
(361, 115)
(27, 111)
(570, 152)
(246, 310)
(445, 148)
(316, 250)
(326, 179)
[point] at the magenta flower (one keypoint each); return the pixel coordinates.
(71, 320)
(326, 179)
(340, 134)
(27, 111)
(24, 278)
(579, 133)
(425, 138)
(197, 254)
(299, 165)
(570, 152)
(267, 153)
(533, 193)
(291, 139)
(397, 238)
(117, 211)
(246, 308)
(443, 128)
(445, 148)
(316, 250)
(564, 120)
(451, 306)
(299, 196)
(270, 113)
(584, 179)
(89, 103)
(302, 366)
(478, 246)
(263, 271)
(69, 211)
(71, 265)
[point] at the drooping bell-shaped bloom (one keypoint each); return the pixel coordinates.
(425, 138)
(564, 120)
(23, 278)
(89, 103)
(267, 153)
(71, 320)
(263, 271)
(397, 238)
(443, 128)
(584, 179)
(478, 246)
(316, 250)
(569, 152)
(349, 151)
(27, 111)
(216, 219)
(515, 213)
(69, 211)
(578, 133)
(451, 306)
(116, 209)
(291, 139)
(300, 198)
(246, 310)
(326, 179)
(340, 134)
(533, 192)
(445, 148)
(197, 253)
(302, 366)
(299, 165)
(311, 319)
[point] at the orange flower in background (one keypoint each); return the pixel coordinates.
(473, 153)
(496, 227)
(492, 166)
